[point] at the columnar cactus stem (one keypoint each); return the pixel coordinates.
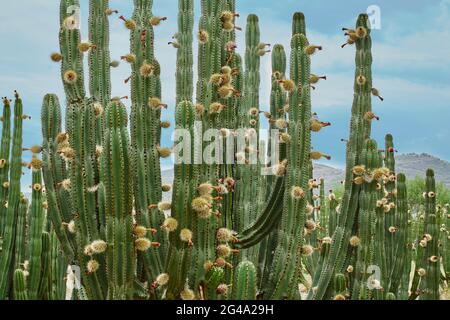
(360, 129)
(55, 173)
(146, 132)
(210, 62)
(185, 58)
(36, 226)
(401, 261)
(389, 162)
(99, 55)
(244, 284)
(184, 191)
(8, 247)
(20, 286)
(45, 267)
(432, 261)
(4, 161)
(287, 259)
(446, 241)
(248, 186)
(278, 100)
(99, 59)
(117, 177)
(186, 173)
(21, 233)
(363, 240)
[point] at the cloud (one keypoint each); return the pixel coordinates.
(411, 60)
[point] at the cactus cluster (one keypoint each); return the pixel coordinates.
(229, 231)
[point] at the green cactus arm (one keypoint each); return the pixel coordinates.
(210, 62)
(72, 73)
(298, 24)
(43, 290)
(244, 284)
(401, 255)
(360, 129)
(185, 58)
(430, 287)
(249, 185)
(287, 257)
(266, 221)
(58, 270)
(20, 285)
(186, 180)
(389, 162)
(146, 134)
(340, 286)
(8, 246)
(117, 178)
(21, 233)
(99, 55)
(446, 241)
(5, 151)
(36, 228)
(54, 173)
(367, 225)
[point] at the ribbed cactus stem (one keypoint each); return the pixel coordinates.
(54, 173)
(8, 247)
(362, 242)
(99, 55)
(21, 233)
(432, 259)
(401, 260)
(5, 151)
(99, 59)
(20, 285)
(249, 186)
(360, 129)
(186, 179)
(185, 58)
(244, 284)
(286, 266)
(37, 218)
(72, 73)
(186, 173)
(389, 162)
(146, 133)
(117, 178)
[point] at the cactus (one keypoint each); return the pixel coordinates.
(4, 161)
(285, 267)
(402, 258)
(360, 129)
(232, 233)
(115, 168)
(10, 220)
(20, 292)
(244, 284)
(432, 259)
(36, 228)
(186, 176)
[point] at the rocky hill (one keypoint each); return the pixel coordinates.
(411, 165)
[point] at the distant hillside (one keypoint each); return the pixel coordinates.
(411, 165)
(416, 164)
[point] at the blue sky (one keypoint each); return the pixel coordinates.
(411, 63)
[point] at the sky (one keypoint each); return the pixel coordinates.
(411, 63)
